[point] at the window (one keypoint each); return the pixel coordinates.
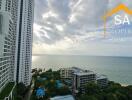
(0, 3)
(1, 21)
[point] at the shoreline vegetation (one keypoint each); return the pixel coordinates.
(46, 79)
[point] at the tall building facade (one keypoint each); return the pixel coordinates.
(24, 41)
(7, 42)
(16, 28)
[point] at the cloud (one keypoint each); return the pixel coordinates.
(61, 8)
(41, 7)
(69, 26)
(88, 12)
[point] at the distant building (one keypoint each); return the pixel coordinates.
(102, 80)
(67, 97)
(77, 78)
(66, 73)
(81, 78)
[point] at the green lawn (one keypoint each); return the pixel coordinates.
(5, 92)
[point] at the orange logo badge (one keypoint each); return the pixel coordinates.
(120, 7)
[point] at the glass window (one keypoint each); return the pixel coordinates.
(1, 21)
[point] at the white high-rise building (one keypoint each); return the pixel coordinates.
(7, 42)
(24, 41)
(16, 28)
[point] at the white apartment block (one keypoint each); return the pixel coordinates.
(7, 42)
(24, 41)
(16, 28)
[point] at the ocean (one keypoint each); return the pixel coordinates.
(118, 69)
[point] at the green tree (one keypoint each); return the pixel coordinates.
(92, 88)
(20, 91)
(21, 88)
(63, 91)
(121, 96)
(111, 96)
(50, 70)
(86, 97)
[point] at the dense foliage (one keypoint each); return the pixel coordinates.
(49, 84)
(20, 91)
(114, 91)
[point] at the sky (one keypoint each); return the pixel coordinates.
(75, 27)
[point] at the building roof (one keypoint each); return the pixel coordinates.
(101, 77)
(84, 73)
(67, 97)
(79, 71)
(76, 69)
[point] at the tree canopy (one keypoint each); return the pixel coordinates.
(114, 91)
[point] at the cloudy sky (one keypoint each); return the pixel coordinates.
(75, 27)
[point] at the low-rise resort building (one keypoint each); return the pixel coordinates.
(77, 78)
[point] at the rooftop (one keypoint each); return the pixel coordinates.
(67, 97)
(72, 68)
(79, 71)
(101, 77)
(84, 73)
